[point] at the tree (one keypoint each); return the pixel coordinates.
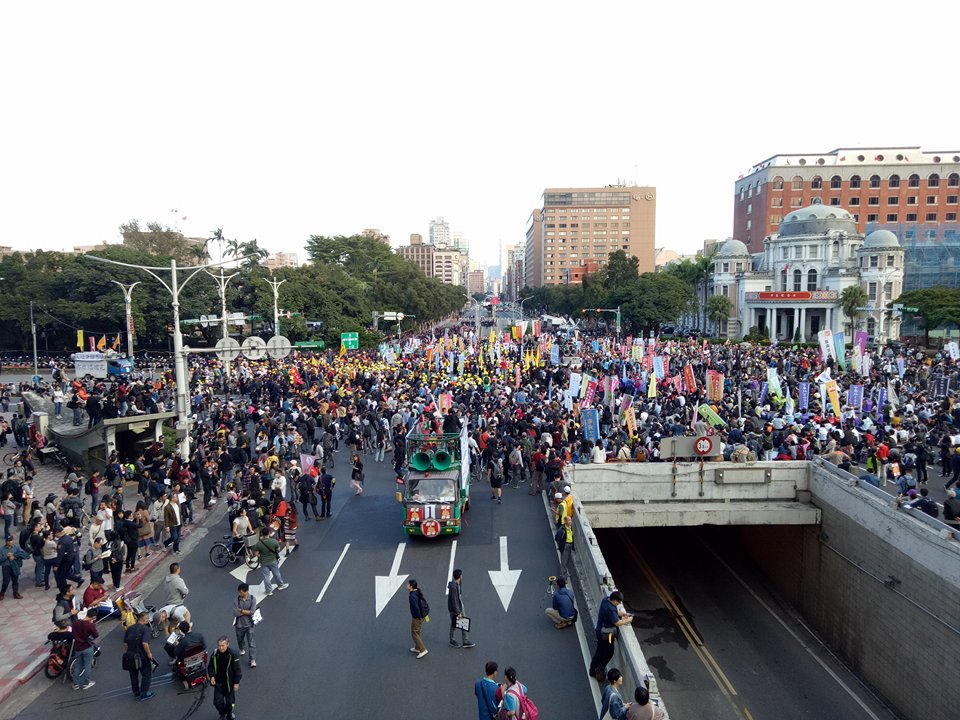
(654, 299)
(250, 251)
(696, 273)
(718, 310)
(936, 306)
(157, 239)
(851, 300)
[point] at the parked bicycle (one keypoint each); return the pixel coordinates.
(231, 550)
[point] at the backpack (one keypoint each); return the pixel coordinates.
(424, 605)
(909, 460)
(526, 709)
(88, 486)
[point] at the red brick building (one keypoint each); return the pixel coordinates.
(901, 187)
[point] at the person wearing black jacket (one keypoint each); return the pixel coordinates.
(225, 672)
(129, 531)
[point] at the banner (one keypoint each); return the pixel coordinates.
(306, 462)
(833, 393)
(881, 399)
(860, 338)
(590, 418)
(589, 391)
(901, 367)
(689, 379)
(631, 422)
(855, 397)
(826, 344)
(555, 355)
(954, 349)
(625, 405)
(568, 400)
(652, 386)
(773, 382)
(763, 393)
(804, 395)
(711, 415)
(840, 344)
(575, 384)
(658, 369)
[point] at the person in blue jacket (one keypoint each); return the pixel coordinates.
(486, 691)
(609, 621)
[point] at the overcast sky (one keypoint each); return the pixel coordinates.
(285, 119)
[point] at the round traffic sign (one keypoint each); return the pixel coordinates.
(254, 348)
(400, 316)
(278, 347)
(228, 349)
(703, 445)
(204, 321)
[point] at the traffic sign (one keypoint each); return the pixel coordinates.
(204, 321)
(228, 349)
(350, 341)
(237, 318)
(278, 347)
(910, 309)
(400, 316)
(254, 348)
(390, 316)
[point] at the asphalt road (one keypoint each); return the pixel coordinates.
(721, 645)
(336, 657)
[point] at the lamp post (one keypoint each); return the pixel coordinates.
(275, 284)
(222, 282)
(127, 290)
(33, 329)
(179, 354)
(521, 305)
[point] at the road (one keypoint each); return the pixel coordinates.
(721, 645)
(338, 657)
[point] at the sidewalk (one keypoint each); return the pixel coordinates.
(24, 624)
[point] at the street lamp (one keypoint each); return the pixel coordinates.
(127, 290)
(179, 355)
(222, 282)
(275, 284)
(521, 305)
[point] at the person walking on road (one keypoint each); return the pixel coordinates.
(269, 551)
(419, 611)
(225, 673)
(137, 643)
(455, 607)
(84, 633)
(486, 691)
(609, 621)
(243, 610)
(325, 485)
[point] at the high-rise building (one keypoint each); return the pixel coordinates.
(513, 280)
(418, 253)
(440, 233)
(461, 243)
(447, 266)
(476, 282)
(376, 234)
(903, 188)
(280, 260)
(578, 224)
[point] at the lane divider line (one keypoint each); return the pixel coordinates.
(333, 572)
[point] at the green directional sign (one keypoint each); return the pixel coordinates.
(350, 341)
(910, 309)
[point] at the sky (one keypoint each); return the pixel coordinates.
(280, 120)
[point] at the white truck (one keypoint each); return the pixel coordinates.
(101, 365)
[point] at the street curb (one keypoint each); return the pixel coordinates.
(36, 659)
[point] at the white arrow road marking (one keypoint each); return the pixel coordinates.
(387, 585)
(258, 591)
(333, 572)
(453, 554)
(504, 580)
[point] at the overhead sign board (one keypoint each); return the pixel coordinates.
(350, 341)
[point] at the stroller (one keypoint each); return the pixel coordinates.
(130, 605)
(191, 669)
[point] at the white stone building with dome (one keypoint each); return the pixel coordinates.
(797, 281)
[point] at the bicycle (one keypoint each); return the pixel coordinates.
(223, 552)
(25, 455)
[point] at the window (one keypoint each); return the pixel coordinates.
(891, 259)
(811, 280)
(931, 217)
(739, 267)
(913, 181)
(874, 181)
(749, 208)
(742, 194)
(893, 200)
(797, 280)
(796, 202)
(812, 251)
(817, 182)
(933, 180)
(951, 199)
(931, 199)
(873, 200)
(953, 180)
(854, 201)
(749, 224)
(776, 202)
(783, 279)
(775, 219)
(874, 261)
(892, 217)
(872, 217)
(778, 183)
(911, 217)
(856, 217)
(835, 252)
(785, 253)
(855, 182)
(835, 201)
(798, 252)
(888, 290)
(894, 181)
(930, 234)
(951, 217)
(835, 182)
(797, 183)
(872, 291)
(726, 267)
(750, 191)
(911, 199)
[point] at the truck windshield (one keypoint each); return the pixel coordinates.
(431, 489)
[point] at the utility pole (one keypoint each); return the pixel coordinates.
(127, 290)
(222, 282)
(275, 284)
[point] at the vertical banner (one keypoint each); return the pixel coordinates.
(826, 344)
(689, 379)
(575, 384)
(590, 389)
(516, 377)
(658, 369)
(954, 349)
(840, 344)
(773, 382)
(631, 422)
(834, 394)
(555, 355)
(901, 367)
(711, 385)
(763, 393)
(591, 424)
(625, 405)
(860, 338)
(718, 380)
(804, 395)
(855, 397)
(568, 400)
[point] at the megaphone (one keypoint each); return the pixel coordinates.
(442, 460)
(421, 461)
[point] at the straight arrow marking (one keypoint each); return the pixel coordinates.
(386, 586)
(504, 580)
(333, 572)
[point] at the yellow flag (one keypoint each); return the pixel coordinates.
(116, 342)
(493, 337)
(102, 345)
(343, 349)
(80, 339)
(652, 386)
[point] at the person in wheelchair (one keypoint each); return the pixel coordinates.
(187, 642)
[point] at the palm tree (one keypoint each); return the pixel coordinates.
(718, 310)
(851, 300)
